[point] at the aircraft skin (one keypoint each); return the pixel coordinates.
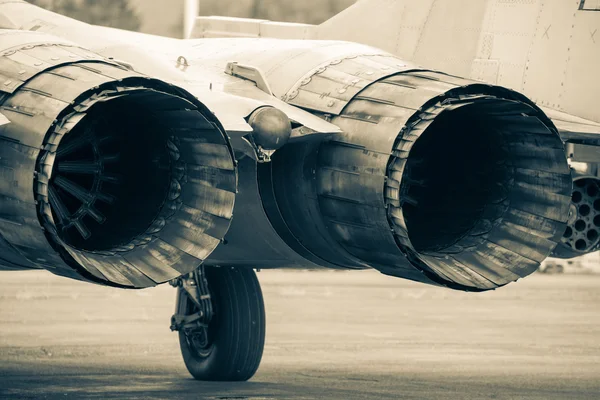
(199, 67)
(546, 49)
(439, 143)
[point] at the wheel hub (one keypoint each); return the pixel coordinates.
(199, 340)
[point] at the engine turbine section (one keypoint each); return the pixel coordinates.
(114, 177)
(435, 179)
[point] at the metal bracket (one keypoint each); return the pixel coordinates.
(180, 322)
(4, 120)
(583, 152)
(195, 287)
(260, 155)
(182, 63)
(251, 74)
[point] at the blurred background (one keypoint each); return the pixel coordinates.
(166, 17)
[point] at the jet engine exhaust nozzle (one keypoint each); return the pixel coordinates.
(136, 177)
(132, 179)
(434, 178)
(478, 188)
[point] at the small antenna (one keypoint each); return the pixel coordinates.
(191, 9)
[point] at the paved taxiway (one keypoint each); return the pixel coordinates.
(331, 335)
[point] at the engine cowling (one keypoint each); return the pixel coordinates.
(108, 175)
(435, 178)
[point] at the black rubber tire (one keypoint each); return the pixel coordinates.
(238, 325)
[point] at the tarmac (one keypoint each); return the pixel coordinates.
(330, 335)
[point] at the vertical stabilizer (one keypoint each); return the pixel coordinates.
(548, 49)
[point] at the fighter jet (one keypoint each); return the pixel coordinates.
(449, 142)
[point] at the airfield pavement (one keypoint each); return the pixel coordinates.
(330, 335)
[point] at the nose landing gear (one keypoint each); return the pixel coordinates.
(220, 317)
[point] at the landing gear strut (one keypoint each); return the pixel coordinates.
(220, 317)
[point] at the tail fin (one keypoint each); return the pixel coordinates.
(548, 49)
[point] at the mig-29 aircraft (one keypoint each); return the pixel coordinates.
(449, 142)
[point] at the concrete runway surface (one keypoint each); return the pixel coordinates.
(331, 335)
